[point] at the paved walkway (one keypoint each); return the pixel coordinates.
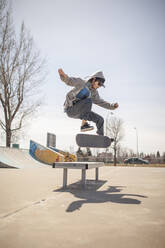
(125, 209)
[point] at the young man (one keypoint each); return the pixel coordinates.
(79, 100)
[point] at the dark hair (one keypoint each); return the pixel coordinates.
(100, 80)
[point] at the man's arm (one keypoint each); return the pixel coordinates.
(71, 81)
(104, 104)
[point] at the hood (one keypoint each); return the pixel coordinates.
(98, 74)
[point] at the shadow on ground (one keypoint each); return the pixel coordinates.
(91, 195)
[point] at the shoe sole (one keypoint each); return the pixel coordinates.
(87, 129)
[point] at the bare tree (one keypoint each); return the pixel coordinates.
(114, 129)
(122, 153)
(20, 76)
(3, 4)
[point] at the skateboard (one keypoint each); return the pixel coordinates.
(90, 140)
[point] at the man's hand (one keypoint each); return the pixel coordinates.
(116, 105)
(62, 74)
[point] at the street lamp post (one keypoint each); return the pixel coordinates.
(106, 122)
(136, 142)
(106, 130)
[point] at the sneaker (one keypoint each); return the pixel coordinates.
(86, 127)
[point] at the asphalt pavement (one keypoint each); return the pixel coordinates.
(125, 208)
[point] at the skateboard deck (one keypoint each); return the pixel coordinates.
(90, 140)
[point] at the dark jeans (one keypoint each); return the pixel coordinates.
(82, 110)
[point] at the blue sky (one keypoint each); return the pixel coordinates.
(123, 38)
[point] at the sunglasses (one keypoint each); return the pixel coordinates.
(100, 83)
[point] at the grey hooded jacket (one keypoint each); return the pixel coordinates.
(78, 85)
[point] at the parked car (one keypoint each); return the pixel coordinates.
(135, 161)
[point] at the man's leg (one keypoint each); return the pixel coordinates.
(82, 110)
(79, 108)
(91, 116)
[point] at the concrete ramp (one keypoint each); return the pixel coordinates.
(17, 158)
(68, 157)
(37, 156)
(44, 154)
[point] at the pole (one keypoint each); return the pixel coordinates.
(137, 150)
(106, 132)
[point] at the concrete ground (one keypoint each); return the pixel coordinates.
(126, 208)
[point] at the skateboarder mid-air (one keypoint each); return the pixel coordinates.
(79, 100)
